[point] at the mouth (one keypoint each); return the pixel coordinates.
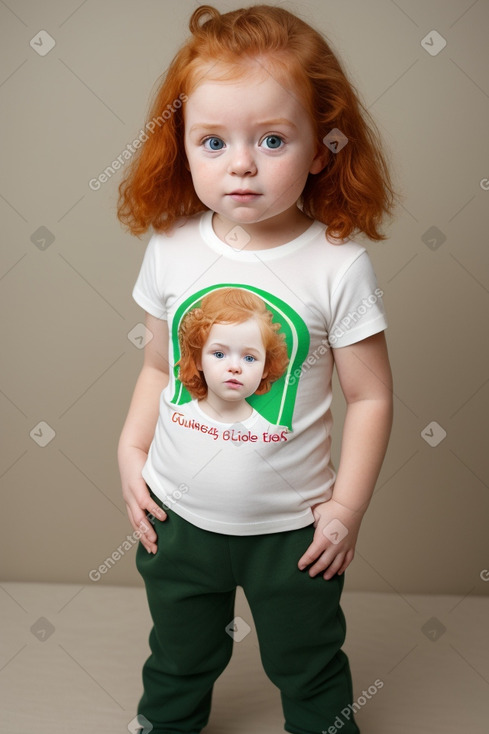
(234, 383)
(243, 195)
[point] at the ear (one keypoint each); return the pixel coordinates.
(320, 159)
(262, 382)
(198, 363)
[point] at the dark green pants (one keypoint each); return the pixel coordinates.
(191, 587)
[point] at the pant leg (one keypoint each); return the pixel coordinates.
(191, 597)
(300, 628)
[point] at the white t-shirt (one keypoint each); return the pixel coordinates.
(263, 474)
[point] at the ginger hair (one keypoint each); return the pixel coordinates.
(228, 306)
(352, 193)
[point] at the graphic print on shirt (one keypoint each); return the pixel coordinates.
(277, 342)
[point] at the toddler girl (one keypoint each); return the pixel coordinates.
(260, 167)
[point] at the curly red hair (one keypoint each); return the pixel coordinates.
(352, 193)
(228, 306)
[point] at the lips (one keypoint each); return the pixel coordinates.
(244, 192)
(243, 195)
(234, 383)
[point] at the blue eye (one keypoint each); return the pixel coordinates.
(249, 358)
(218, 355)
(273, 142)
(213, 144)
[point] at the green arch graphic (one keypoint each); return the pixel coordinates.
(277, 405)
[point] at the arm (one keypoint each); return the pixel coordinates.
(138, 432)
(366, 381)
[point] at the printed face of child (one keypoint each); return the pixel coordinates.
(250, 146)
(233, 363)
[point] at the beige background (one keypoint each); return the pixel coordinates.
(67, 308)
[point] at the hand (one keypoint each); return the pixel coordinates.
(137, 496)
(333, 545)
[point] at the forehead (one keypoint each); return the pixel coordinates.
(247, 332)
(237, 69)
(215, 87)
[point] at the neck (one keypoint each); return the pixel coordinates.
(265, 235)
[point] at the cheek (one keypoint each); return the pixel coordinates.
(203, 177)
(257, 374)
(289, 175)
(194, 166)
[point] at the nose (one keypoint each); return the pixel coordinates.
(242, 162)
(234, 365)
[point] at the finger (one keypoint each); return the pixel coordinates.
(146, 534)
(139, 519)
(328, 560)
(155, 510)
(131, 517)
(141, 524)
(316, 548)
(334, 567)
(348, 559)
(144, 501)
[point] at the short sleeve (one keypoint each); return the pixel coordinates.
(357, 309)
(147, 291)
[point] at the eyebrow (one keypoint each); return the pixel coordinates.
(263, 123)
(206, 126)
(219, 345)
(277, 121)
